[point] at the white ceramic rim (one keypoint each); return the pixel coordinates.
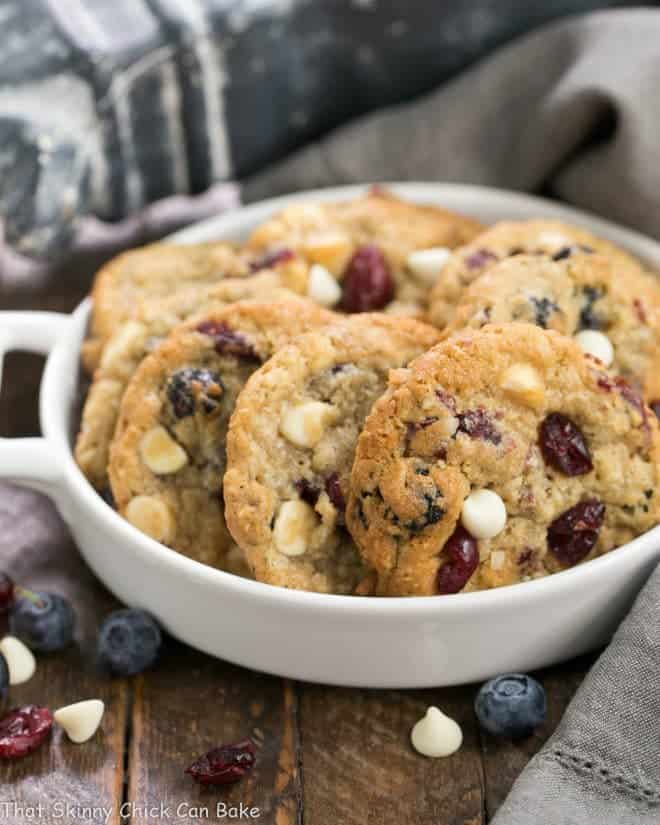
(491, 204)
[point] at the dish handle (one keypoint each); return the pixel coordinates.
(30, 462)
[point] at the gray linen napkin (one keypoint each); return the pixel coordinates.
(602, 764)
(572, 109)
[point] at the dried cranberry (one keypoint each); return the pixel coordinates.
(367, 284)
(480, 258)
(6, 592)
(563, 445)
(227, 341)
(655, 406)
(462, 560)
(307, 491)
(224, 765)
(190, 389)
(573, 534)
(271, 259)
(478, 424)
(334, 491)
(23, 730)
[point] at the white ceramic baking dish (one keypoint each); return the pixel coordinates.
(415, 642)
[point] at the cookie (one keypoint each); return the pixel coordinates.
(541, 237)
(158, 271)
(167, 458)
(383, 252)
(133, 340)
(290, 449)
(580, 296)
(501, 455)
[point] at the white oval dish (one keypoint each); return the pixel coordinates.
(414, 642)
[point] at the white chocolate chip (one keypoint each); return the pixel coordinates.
(81, 720)
(552, 239)
(20, 661)
(484, 514)
(497, 559)
(436, 734)
(152, 516)
(322, 287)
(304, 424)
(427, 264)
(596, 344)
(161, 453)
(524, 383)
(293, 527)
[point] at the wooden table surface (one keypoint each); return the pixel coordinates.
(331, 756)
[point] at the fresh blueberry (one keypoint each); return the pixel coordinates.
(129, 642)
(4, 678)
(44, 621)
(511, 705)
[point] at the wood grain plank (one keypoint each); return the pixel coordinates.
(196, 703)
(505, 760)
(358, 765)
(36, 550)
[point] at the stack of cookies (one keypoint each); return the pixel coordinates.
(378, 398)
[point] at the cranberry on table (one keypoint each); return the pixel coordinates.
(6, 592)
(563, 445)
(224, 765)
(462, 557)
(23, 730)
(367, 284)
(573, 534)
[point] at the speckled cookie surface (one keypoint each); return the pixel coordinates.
(133, 340)
(542, 237)
(290, 449)
(167, 458)
(160, 270)
(570, 449)
(365, 244)
(576, 293)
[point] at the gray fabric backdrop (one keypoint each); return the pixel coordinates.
(109, 105)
